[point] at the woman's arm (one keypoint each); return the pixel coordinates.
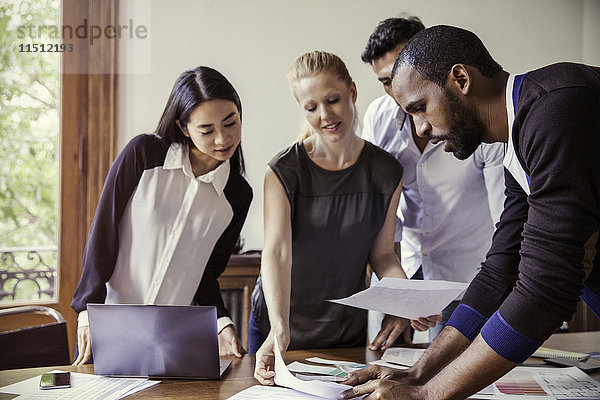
(276, 273)
(382, 257)
(385, 262)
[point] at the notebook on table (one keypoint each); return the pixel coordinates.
(155, 341)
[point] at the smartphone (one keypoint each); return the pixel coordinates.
(589, 365)
(55, 380)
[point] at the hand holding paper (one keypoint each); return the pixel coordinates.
(283, 377)
(265, 358)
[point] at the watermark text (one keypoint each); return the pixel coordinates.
(83, 31)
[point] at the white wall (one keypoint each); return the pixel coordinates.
(254, 42)
(591, 32)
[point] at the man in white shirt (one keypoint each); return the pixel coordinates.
(448, 207)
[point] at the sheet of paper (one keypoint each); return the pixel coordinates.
(405, 297)
(283, 377)
(319, 360)
(382, 363)
(83, 386)
(567, 383)
(543, 384)
(485, 393)
(325, 378)
(260, 392)
(520, 383)
(297, 366)
(398, 283)
(402, 355)
(140, 387)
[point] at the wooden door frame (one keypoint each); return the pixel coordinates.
(88, 138)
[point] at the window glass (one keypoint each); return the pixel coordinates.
(29, 137)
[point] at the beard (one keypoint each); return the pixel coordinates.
(466, 128)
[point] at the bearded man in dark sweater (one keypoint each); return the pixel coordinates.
(545, 251)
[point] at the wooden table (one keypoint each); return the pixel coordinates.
(239, 376)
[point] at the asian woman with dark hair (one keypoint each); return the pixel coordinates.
(171, 210)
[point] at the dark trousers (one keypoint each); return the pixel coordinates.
(255, 336)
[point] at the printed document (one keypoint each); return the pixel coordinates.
(283, 377)
(402, 355)
(83, 386)
(543, 384)
(405, 297)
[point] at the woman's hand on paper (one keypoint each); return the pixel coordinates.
(84, 345)
(424, 323)
(391, 328)
(229, 343)
(264, 371)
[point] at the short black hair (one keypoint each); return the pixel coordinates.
(389, 34)
(434, 51)
(192, 88)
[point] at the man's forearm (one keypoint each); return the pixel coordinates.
(477, 367)
(449, 344)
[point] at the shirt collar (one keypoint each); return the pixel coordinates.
(175, 156)
(178, 158)
(510, 113)
(404, 125)
(218, 177)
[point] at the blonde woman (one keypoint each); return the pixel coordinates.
(330, 203)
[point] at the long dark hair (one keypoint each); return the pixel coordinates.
(192, 88)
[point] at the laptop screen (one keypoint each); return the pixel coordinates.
(154, 340)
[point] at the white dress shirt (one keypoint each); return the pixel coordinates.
(448, 207)
(511, 162)
(163, 255)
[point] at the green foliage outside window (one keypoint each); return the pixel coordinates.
(29, 133)
(29, 106)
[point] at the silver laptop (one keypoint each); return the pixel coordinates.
(155, 341)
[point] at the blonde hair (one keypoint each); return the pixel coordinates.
(312, 64)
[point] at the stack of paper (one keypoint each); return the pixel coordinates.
(546, 352)
(83, 386)
(283, 377)
(542, 384)
(405, 297)
(330, 368)
(403, 356)
(295, 388)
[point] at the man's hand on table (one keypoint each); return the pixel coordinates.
(383, 383)
(384, 389)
